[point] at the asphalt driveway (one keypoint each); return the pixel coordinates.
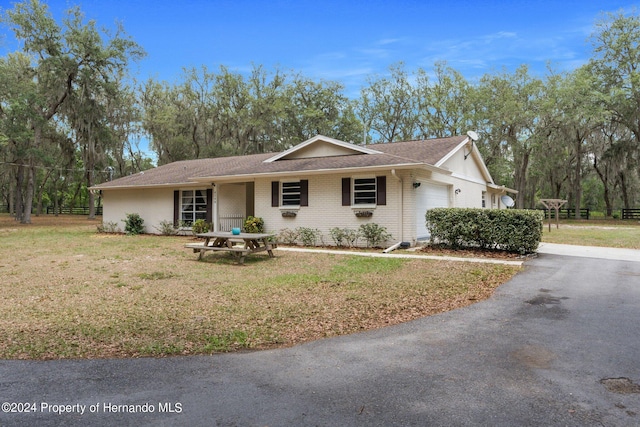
(557, 345)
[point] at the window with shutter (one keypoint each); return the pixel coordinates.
(364, 191)
(290, 193)
(370, 191)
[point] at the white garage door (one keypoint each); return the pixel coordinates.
(429, 196)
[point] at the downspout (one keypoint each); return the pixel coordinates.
(401, 214)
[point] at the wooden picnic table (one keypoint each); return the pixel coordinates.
(240, 245)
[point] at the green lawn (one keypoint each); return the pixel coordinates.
(69, 292)
(616, 234)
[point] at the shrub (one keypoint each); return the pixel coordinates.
(288, 236)
(351, 236)
(134, 224)
(344, 236)
(308, 236)
(108, 227)
(374, 234)
(167, 228)
(254, 224)
(338, 235)
(200, 226)
(511, 230)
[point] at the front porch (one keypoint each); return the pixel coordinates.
(224, 206)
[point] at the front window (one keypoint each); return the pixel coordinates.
(364, 191)
(290, 194)
(193, 206)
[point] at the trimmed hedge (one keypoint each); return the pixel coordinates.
(513, 230)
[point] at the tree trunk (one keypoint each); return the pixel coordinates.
(56, 205)
(607, 201)
(12, 192)
(41, 192)
(92, 206)
(577, 179)
(605, 183)
(74, 199)
(18, 194)
(28, 200)
(520, 179)
(39, 204)
(577, 193)
(625, 191)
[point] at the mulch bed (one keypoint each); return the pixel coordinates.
(469, 252)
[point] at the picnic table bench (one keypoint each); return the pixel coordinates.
(240, 245)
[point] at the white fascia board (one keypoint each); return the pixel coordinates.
(483, 166)
(469, 179)
(354, 147)
(432, 168)
(143, 187)
(475, 153)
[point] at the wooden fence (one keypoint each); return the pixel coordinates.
(81, 210)
(568, 213)
(630, 213)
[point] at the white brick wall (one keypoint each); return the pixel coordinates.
(325, 210)
(153, 205)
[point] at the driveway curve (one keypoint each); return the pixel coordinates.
(557, 345)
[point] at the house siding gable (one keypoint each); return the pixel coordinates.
(465, 168)
(321, 149)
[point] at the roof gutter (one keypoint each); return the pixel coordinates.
(502, 188)
(138, 187)
(400, 212)
(253, 176)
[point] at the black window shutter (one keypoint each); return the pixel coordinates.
(176, 208)
(304, 192)
(346, 191)
(275, 194)
(210, 205)
(381, 190)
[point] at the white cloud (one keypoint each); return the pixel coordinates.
(375, 53)
(383, 42)
(473, 54)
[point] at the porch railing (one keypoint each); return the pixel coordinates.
(227, 222)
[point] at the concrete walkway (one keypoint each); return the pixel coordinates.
(405, 255)
(619, 254)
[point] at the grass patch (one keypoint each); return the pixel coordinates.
(156, 275)
(95, 295)
(614, 234)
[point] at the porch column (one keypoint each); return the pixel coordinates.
(215, 208)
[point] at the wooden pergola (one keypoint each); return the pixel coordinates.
(553, 204)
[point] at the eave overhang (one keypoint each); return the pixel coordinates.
(330, 171)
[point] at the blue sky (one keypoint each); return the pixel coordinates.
(348, 41)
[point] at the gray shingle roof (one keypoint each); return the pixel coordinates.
(416, 153)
